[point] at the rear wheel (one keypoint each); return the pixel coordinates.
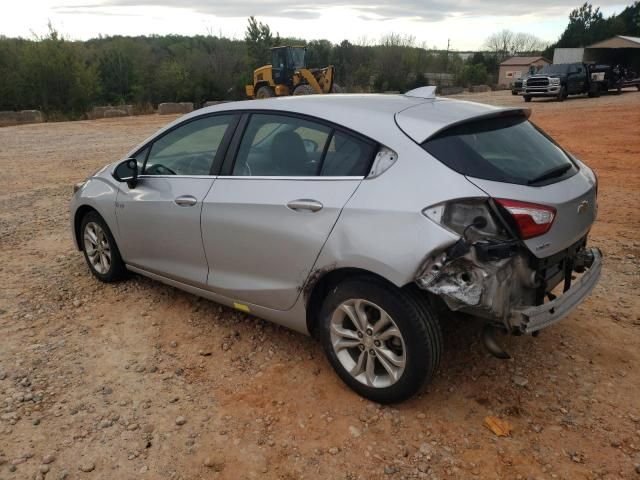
(265, 92)
(527, 98)
(304, 90)
(383, 342)
(100, 250)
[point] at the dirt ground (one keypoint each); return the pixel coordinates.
(140, 380)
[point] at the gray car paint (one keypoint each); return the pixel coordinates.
(380, 229)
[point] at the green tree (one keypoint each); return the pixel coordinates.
(259, 40)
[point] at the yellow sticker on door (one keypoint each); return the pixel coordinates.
(241, 306)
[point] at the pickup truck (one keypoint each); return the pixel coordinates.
(561, 80)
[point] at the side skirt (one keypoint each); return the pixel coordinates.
(295, 318)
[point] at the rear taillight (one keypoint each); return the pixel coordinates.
(531, 219)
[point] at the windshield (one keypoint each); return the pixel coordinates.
(507, 149)
(297, 57)
(560, 68)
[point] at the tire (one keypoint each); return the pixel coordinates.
(562, 94)
(527, 98)
(304, 90)
(94, 227)
(335, 88)
(265, 92)
(415, 350)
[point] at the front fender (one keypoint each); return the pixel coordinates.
(98, 194)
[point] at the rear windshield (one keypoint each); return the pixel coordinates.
(505, 149)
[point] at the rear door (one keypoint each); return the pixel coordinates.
(285, 182)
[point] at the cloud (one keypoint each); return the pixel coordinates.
(374, 10)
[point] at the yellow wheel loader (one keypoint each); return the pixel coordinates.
(288, 75)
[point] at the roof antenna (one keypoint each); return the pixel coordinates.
(422, 92)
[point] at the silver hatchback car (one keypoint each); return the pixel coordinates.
(360, 219)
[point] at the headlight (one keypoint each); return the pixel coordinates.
(555, 81)
(524, 83)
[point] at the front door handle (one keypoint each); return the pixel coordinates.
(186, 201)
(305, 204)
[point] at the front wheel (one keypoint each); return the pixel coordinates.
(562, 94)
(100, 250)
(383, 342)
(304, 90)
(527, 98)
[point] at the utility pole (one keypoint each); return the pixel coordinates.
(446, 64)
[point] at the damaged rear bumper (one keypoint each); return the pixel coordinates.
(502, 284)
(535, 318)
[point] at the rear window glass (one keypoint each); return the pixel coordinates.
(505, 149)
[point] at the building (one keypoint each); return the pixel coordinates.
(620, 49)
(515, 68)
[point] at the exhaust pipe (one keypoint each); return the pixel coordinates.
(489, 339)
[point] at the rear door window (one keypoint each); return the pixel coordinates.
(505, 149)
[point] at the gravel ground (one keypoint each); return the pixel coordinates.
(139, 380)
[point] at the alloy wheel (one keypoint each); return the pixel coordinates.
(368, 343)
(97, 248)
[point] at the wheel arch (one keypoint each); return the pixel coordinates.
(322, 281)
(80, 213)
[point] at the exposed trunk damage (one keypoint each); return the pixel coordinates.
(485, 279)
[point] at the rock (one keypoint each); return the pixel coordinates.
(216, 464)
(181, 420)
(63, 475)
(87, 467)
(49, 458)
(355, 432)
(519, 381)
(638, 468)
(173, 344)
(105, 423)
(171, 108)
(334, 450)
(44, 468)
(133, 427)
(421, 416)
(390, 469)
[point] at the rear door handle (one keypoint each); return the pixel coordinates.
(186, 201)
(305, 204)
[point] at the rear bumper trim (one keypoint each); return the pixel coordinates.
(535, 318)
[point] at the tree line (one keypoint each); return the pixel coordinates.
(66, 78)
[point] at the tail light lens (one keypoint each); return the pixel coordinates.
(467, 217)
(531, 219)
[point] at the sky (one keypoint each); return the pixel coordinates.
(465, 23)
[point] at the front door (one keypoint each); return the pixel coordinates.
(159, 219)
(264, 223)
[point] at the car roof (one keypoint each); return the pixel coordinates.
(377, 116)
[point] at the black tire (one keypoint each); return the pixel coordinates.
(265, 92)
(562, 94)
(335, 88)
(527, 98)
(117, 270)
(414, 318)
(304, 90)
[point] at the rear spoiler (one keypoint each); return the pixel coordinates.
(507, 112)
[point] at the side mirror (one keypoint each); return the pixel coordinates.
(127, 171)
